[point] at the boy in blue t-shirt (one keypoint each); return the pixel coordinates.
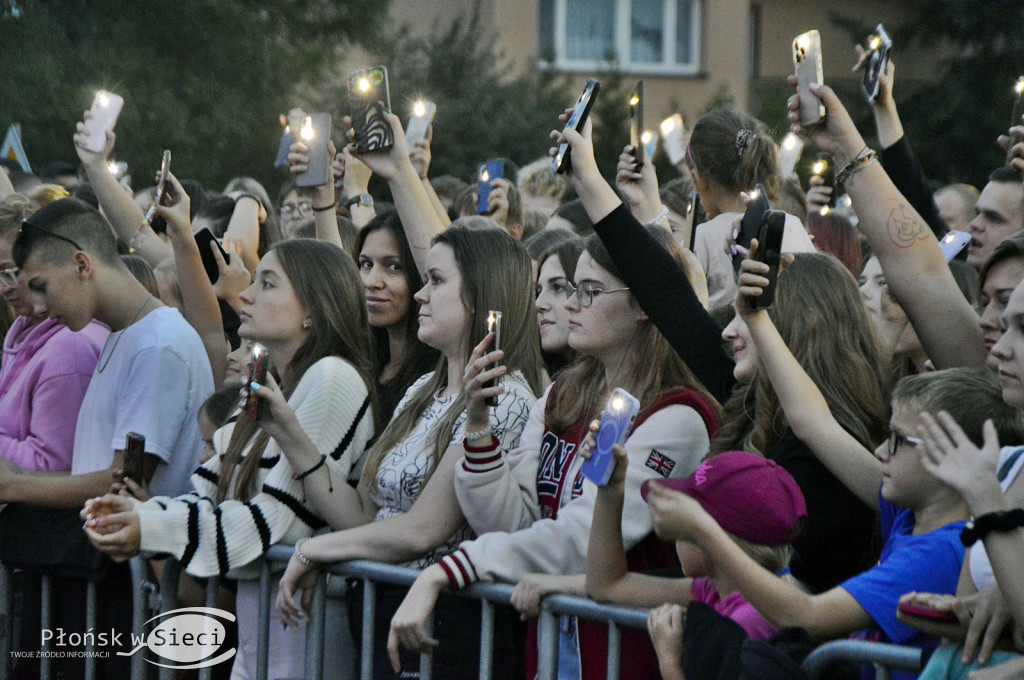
(920, 517)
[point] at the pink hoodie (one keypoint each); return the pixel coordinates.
(45, 373)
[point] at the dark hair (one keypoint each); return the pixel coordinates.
(347, 230)
(287, 188)
(574, 212)
(546, 239)
(66, 220)
(1008, 249)
(833, 234)
(218, 210)
(142, 272)
(734, 151)
(448, 186)
(219, 405)
(675, 195)
(1007, 175)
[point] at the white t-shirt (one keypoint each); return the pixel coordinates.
(151, 378)
(981, 568)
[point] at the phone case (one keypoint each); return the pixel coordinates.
(940, 615)
(750, 225)
(672, 133)
(369, 99)
(106, 107)
(416, 130)
(493, 324)
(807, 63)
(694, 216)
(204, 237)
(616, 423)
(636, 122)
(827, 174)
(953, 242)
(316, 134)
(494, 169)
(790, 150)
(769, 251)
(257, 374)
(562, 162)
(877, 61)
(161, 188)
(134, 447)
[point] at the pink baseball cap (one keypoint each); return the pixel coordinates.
(749, 496)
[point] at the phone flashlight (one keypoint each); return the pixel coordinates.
(668, 125)
(789, 142)
(1018, 87)
(754, 194)
(493, 326)
(364, 84)
(874, 42)
(112, 167)
(634, 100)
(103, 98)
(419, 109)
(485, 177)
(819, 167)
(307, 128)
(257, 374)
(803, 42)
(646, 137)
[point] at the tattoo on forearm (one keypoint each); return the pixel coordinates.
(905, 226)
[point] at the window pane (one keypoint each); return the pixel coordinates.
(547, 30)
(590, 29)
(685, 31)
(646, 31)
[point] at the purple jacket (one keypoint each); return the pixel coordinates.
(45, 373)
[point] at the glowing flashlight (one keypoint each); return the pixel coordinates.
(634, 100)
(307, 128)
(646, 137)
(419, 109)
(789, 142)
(112, 167)
(102, 98)
(485, 177)
(667, 126)
(364, 84)
(818, 167)
(874, 42)
(1018, 87)
(617, 403)
(803, 42)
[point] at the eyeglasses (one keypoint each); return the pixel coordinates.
(25, 224)
(289, 210)
(895, 439)
(586, 291)
(8, 279)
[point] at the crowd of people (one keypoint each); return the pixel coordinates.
(843, 461)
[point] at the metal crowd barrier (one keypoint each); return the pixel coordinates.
(148, 599)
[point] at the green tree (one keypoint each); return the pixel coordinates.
(204, 78)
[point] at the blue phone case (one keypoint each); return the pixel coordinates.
(495, 169)
(616, 423)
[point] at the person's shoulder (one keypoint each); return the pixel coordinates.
(332, 372)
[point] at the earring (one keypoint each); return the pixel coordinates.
(306, 323)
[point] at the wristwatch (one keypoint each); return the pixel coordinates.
(361, 199)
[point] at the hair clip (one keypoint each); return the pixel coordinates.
(743, 139)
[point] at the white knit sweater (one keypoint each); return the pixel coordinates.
(331, 404)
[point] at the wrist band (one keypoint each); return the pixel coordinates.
(298, 553)
(137, 239)
(241, 196)
(326, 207)
(477, 436)
(660, 217)
(866, 157)
(979, 527)
(302, 475)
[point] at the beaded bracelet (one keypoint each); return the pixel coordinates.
(866, 157)
(476, 436)
(136, 241)
(660, 217)
(298, 553)
(979, 527)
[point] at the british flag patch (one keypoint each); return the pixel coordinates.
(660, 463)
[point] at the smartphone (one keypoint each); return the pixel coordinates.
(636, 122)
(562, 160)
(750, 225)
(790, 149)
(493, 326)
(1018, 103)
(954, 242)
(369, 99)
(879, 47)
(106, 107)
(257, 374)
(315, 133)
(673, 133)
(134, 448)
(616, 422)
(419, 122)
(161, 187)
(485, 173)
(940, 615)
(649, 138)
(824, 168)
(769, 251)
(807, 63)
(204, 237)
(694, 216)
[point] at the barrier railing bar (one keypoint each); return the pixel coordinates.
(212, 600)
(859, 651)
(315, 630)
(486, 639)
(547, 645)
(44, 619)
(427, 660)
(564, 605)
(369, 614)
(263, 634)
(170, 578)
(7, 625)
(90, 625)
(614, 651)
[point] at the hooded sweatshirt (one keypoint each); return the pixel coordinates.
(45, 373)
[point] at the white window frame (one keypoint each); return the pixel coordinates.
(621, 42)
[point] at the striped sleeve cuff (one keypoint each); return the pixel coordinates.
(482, 459)
(459, 569)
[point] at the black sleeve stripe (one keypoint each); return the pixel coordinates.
(296, 506)
(163, 506)
(193, 534)
(261, 525)
(222, 545)
(347, 440)
(269, 462)
(208, 474)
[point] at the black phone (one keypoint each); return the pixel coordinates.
(257, 374)
(562, 160)
(879, 46)
(825, 168)
(315, 133)
(204, 237)
(1018, 103)
(636, 123)
(750, 225)
(694, 215)
(370, 98)
(134, 448)
(769, 251)
(161, 187)
(493, 326)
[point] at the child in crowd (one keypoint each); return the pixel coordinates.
(753, 499)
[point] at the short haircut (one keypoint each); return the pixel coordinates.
(448, 186)
(56, 228)
(970, 396)
(538, 179)
(1009, 249)
(1007, 175)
